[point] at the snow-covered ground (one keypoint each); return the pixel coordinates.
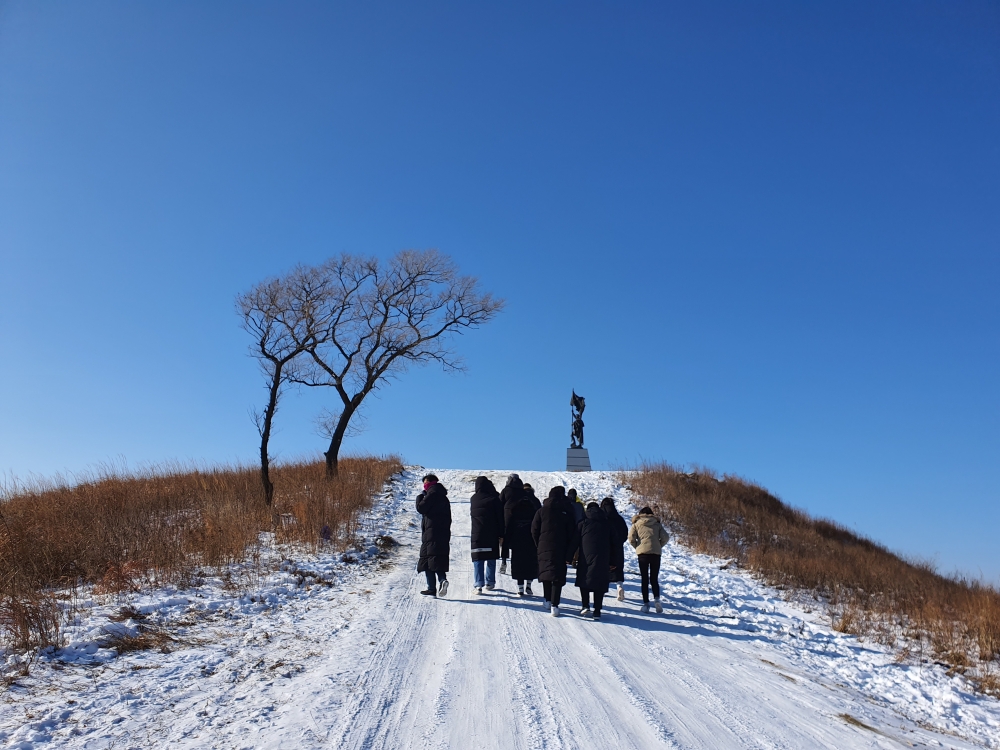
(368, 663)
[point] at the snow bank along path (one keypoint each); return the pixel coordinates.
(369, 663)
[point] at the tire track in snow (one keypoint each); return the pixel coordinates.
(708, 698)
(537, 705)
(579, 691)
(378, 701)
(442, 700)
(715, 701)
(646, 706)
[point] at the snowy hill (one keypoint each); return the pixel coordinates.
(342, 652)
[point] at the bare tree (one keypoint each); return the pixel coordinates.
(379, 319)
(284, 316)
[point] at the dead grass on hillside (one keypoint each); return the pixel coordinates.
(124, 530)
(870, 591)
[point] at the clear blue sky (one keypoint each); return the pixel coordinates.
(759, 237)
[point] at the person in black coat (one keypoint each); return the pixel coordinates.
(518, 541)
(593, 568)
(435, 541)
(619, 535)
(555, 538)
(530, 492)
(578, 506)
(512, 491)
(487, 530)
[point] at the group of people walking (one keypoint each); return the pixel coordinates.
(541, 539)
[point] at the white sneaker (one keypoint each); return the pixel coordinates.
(659, 607)
(621, 593)
(645, 609)
(554, 610)
(489, 587)
(477, 590)
(585, 612)
(443, 588)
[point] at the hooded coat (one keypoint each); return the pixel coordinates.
(647, 535)
(593, 569)
(514, 490)
(530, 492)
(517, 537)
(435, 541)
(619, 535)
(487, 521)
(555, 536)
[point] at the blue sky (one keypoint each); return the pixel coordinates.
(763, 238)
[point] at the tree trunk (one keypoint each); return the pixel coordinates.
(265, 436)
(333, 452)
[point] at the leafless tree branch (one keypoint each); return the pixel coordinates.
(352, 323)
(284, 318)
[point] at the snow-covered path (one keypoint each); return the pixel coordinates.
(371, 664)
(495, 671)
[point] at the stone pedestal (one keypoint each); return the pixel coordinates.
(577, 459)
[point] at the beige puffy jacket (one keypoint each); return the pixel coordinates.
(647, 535)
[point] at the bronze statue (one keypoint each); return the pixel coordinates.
(578, 404)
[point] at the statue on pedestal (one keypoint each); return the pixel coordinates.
(577, 457)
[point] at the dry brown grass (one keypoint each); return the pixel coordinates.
(124, 530)
(871, 592)
(145, 640)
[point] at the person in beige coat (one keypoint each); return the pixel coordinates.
(648, 537)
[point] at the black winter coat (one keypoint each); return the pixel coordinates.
(435, 542)
(512, 492)
(619, 535)
(517, 538)
(593, 569)
(555, 536)
(487, 521)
